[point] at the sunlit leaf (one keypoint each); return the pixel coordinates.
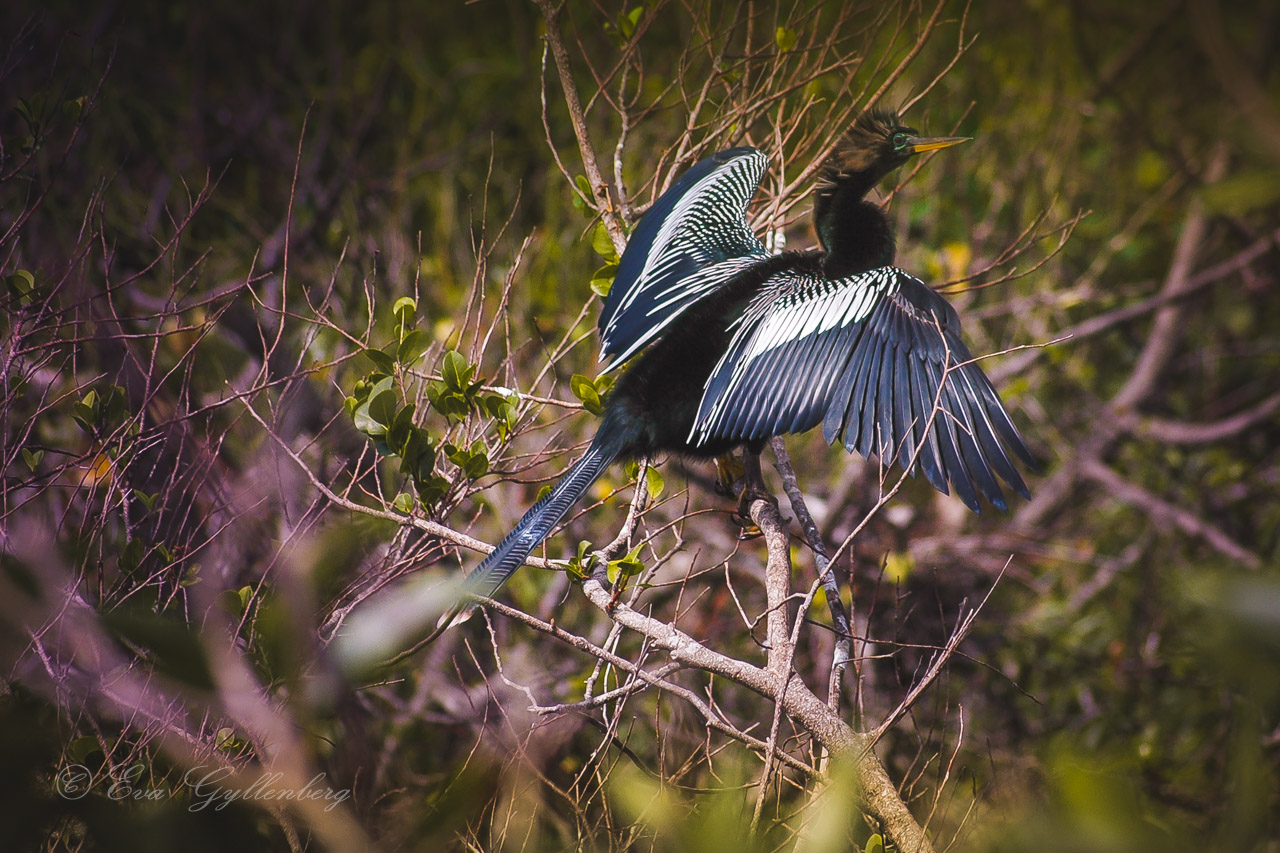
(653, 482)
(602, 279)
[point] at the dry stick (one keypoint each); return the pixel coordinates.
(652, 678)
(899, 69)
(1166, 514)
(962, 47)
(1102, 322)
(935, 667)
(826, 575)
(763, 509)
(602, 556)
(608, 213)
(1155, 354)
(878, 795)
(1180, 432)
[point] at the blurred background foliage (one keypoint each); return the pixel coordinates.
(208, 212)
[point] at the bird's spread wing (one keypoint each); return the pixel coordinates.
(878, 360)
(694, 239)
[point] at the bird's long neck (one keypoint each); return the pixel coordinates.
(854, 233)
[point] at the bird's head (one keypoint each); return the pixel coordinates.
(878, 143)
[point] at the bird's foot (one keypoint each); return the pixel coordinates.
(752, 491)
(747, 528)
(729, 475)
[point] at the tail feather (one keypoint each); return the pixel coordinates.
(537, 523)
(511, 552)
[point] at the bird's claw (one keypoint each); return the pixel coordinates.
(748, 528)
(729, 475)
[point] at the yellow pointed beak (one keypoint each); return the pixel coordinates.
(919, 146)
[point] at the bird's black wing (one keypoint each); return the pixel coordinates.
(693, 239)
(878, 360)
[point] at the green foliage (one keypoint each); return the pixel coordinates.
(602, 279)
(22, 287)
(98, 413)
(580, 564)
(785, 39)
(623, 569)
(455, 394)
(1118, 689)
(585, 390)
(473, 461)
(622, 28)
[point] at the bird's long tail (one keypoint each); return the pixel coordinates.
(510, 554)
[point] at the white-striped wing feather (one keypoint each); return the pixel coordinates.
(870, 357)
(693, 240)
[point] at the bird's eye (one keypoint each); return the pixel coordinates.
(899, 140)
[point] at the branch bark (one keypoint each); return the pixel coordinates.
(604, 203)
(879, 796)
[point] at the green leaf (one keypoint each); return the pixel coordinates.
(366, 423)
(625, 567)
(73, 107)
(580, 563)
(404, 310)
(402, 427)
(473, 462)
(381, 361)
(131, 555)
(412, 347)
(477, 466)
(585, 194)
(875, 844)
(229, 602)
(404, 502)
(86, 410)
(227, 741)
(653, 482)
(603, 244)
(82, 747)
(786, 39)
(627, 22)
(382, 405)
(451, 404)
(431, 488)
(585, 390)
(502, 409)
(22, 284)
(418, 455)
(455, 371)
(33, 457)
(602, 279)
(191, 576)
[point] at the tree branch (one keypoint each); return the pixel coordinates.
(608, 213)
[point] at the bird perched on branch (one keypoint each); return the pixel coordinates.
(734, 345)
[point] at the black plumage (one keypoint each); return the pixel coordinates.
(736, 345)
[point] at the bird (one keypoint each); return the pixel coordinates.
(727, 344)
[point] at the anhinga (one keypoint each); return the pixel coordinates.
(737, 345)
